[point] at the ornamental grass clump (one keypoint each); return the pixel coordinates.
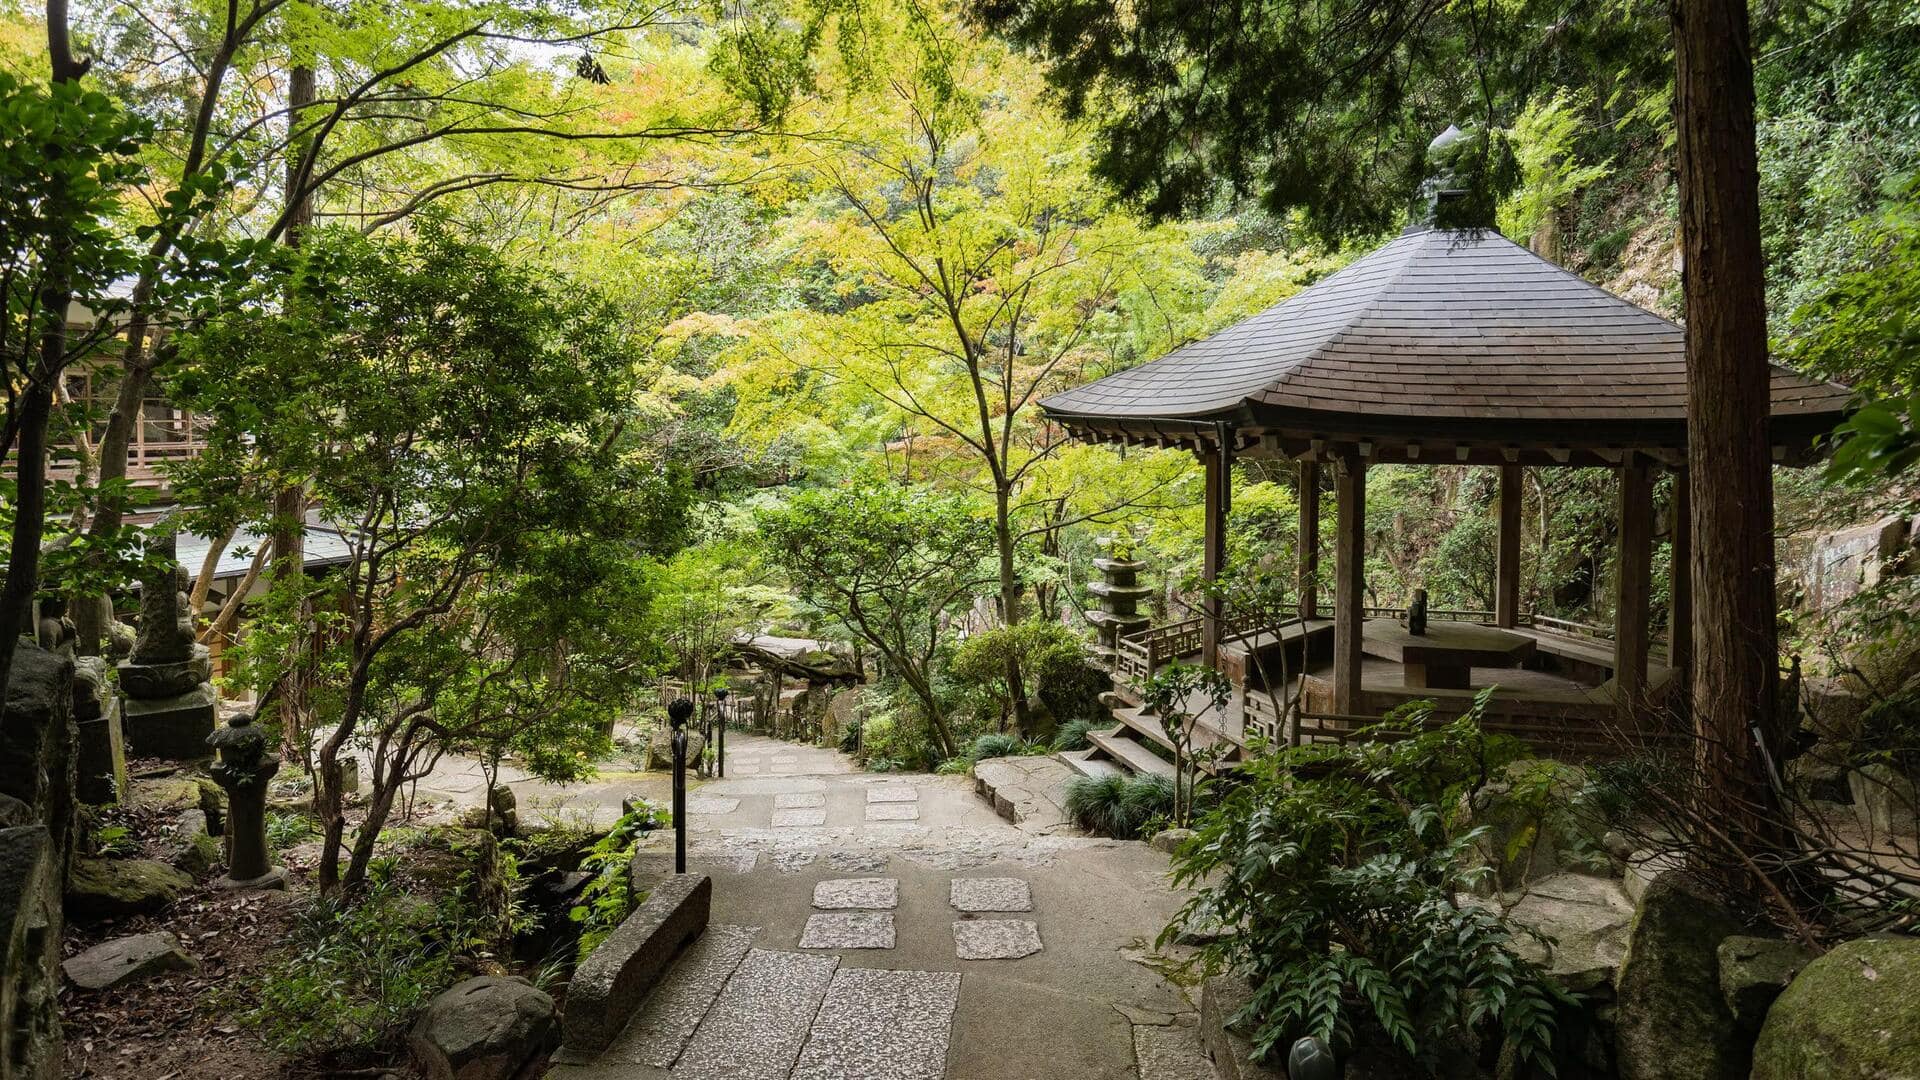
(1122, 807)
(1341, 869)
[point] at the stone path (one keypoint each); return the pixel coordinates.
(871, 927)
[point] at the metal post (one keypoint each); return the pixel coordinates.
(678, 714)
(720, 733)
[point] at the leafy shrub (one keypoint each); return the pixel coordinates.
(607, 899)
(1339, 865)
(998, 744)
(1119, 806)
(284, 830)
(850, 736)
(1072, 735)
(354, 972)
(1052, 662)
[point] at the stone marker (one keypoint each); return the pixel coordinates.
(243, 771)
(995, 939)
(169, 706)
(127, 959)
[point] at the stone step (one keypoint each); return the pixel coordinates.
(1205, 734)
(881, 1024)
(1119, 746)
(758, 1025)
(671, 1014)
(1084, 763)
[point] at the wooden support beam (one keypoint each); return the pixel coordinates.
(1680, 613)
(1506, 589)
(1632, 581)
(1349, 579)
(1309, 539)
(1219, 481)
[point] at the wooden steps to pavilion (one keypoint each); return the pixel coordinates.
(1119, 747)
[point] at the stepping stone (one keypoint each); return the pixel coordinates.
(711, 804)
(877, 1024)
(886, 793)
(851, 930)
(799, 800)
(799, 819)
(991, 894)
(733, 863)
(857, 893)
(758, 1025)
(127, 960)
(994, 939)
(743, 770)
(1168, 1053)
(783, 759)
(673, 1011)
(892, 812)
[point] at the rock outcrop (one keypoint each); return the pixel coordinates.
(1673, 1023)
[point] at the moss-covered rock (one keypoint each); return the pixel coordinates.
(116, 888)
(1672, 1023)
(1536, 824)
(1850, 1015)
(1753, 971)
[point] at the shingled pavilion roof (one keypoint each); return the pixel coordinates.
(1443, 339)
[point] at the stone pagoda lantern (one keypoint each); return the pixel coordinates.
(1119, 592)
(243, 769)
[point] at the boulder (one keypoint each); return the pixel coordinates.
(1673, 1023)
(127, 959)
(485, 1028)
(116, 888)
(1169, 840)
(1753, 971)
(1886, 800)
(1584, 920)
(660, 750)
(195, 850)
(1848, 1015)
(1820, 775)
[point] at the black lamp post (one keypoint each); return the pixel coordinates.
(678, 714)
(720, 732)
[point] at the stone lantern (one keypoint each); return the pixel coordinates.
(243, 769)
(1119, 592)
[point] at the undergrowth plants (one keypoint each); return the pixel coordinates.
(1340, 868)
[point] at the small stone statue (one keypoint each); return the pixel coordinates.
(243, 769)
(55, 630)
(1417, 613)
(166, 620)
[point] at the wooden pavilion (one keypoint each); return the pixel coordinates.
(1445, 346)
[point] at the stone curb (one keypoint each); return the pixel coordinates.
(610, 984)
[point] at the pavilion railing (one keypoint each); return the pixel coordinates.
(1140, 654)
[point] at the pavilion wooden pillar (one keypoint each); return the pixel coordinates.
(1218, 467)
(1632, 581)
(1309, 539)
(1506, 583)
(1349, 578)
(1680, 577)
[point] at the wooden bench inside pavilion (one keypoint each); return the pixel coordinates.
(1443, 347)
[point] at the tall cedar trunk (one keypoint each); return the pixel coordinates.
(1735, 655)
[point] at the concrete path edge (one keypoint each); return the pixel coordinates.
(611, 983)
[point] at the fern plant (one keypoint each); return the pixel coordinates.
(1339, 867)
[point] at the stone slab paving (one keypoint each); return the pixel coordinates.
(1170, 1052)
(742, 770)
(713, 805)
(991, 894)
(877, 1024)
(799, 819)
(759, 1023)
(892, 812)
(891, 793)
(799, 800)
(673, 1011)
(870, 893)
(849, 930)
(995, 939)
(784, 759)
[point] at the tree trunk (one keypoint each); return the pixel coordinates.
(287, 533)
(1010, 609)
(1735, 655)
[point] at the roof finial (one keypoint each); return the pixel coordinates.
(1444, 183)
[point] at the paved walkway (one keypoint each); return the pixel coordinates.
(881, 927)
